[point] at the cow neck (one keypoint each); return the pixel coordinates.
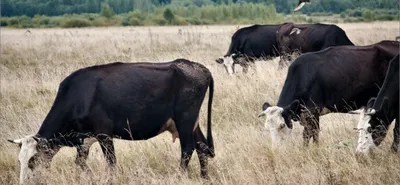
(389, 88)
(54, 123)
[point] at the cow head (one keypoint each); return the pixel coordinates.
(286, 36)
(278, 120)
(371, 130)
(34, 151)
(228, 61)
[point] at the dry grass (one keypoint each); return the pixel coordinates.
(32, 65)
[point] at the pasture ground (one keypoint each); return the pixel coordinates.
(33, 64)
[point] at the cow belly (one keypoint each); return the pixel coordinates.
(145, 129)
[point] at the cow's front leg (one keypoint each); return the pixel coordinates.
(83, 153)
(310, 121)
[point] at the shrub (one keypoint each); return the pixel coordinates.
(160, 21)
(100, 21)
(76, 23)
(25, 21)
(3, 22)
(368, 15)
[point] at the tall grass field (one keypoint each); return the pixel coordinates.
(33, 63)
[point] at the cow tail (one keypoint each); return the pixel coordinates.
(210, 141)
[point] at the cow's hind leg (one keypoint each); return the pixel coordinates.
(107, 146)
(396, 136)
(184, 125)
(202, 151)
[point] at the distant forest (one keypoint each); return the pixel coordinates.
(87, 13)
(61, 7)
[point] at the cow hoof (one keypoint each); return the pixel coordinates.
(394, 149)
(205, 176)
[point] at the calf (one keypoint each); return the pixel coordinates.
(130, 101)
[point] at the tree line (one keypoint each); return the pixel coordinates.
(60, 7)
(86, 13)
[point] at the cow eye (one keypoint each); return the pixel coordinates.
(32, 161)
(369, 130)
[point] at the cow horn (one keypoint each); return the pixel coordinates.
(16, 141)
(261, 114)
(371, 112)
(358, 111)
(37, 139)
(297, 30)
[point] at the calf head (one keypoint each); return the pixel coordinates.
(371, 130)
(278, 120)
(228, 61)
(34, 151)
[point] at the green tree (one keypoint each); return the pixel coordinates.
(106, 10)
(168, 15)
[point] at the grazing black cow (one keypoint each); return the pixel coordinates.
(301, 4)
(130, 101)
(248, 44)
(380, 112)
(305, 38)
(337, 79)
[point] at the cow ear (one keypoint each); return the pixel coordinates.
(265, 106)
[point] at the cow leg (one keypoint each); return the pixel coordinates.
(81, 157)
(107, 146)
(103, 131)
(83, 153)
(310, 121)
(245, 68)
(306, 135)
(283, 61)
(202, 151)
(396, 136)
(185, 126)
(315, 128)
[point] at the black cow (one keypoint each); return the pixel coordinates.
(301, 4)
(130, 101)
(305, 38)
(337, 79)
(248, 44)
(380, 112)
